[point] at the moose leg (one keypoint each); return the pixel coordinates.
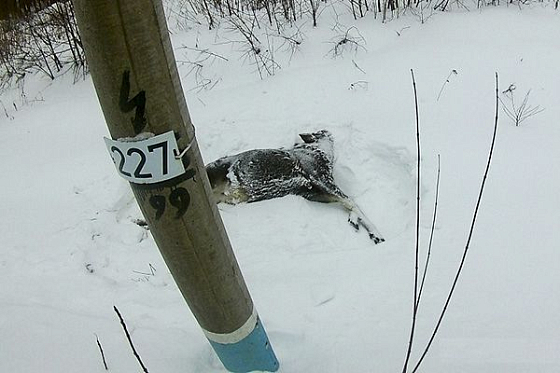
(356, 217)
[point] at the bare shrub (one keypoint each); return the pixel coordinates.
(349, 41)
(45, 40)
(196, 61)
(253, 50)
(518, 113)
(291, 41)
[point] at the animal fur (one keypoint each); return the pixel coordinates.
(305, 170)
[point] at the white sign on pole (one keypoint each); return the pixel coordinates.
(146, 159)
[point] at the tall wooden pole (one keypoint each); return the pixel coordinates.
(134, 72)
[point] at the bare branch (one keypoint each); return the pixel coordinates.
(469, 238)
(417, 245)
(144, 369)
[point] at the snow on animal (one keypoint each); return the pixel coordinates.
(305, 170)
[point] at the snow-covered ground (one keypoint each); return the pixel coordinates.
(331, 300)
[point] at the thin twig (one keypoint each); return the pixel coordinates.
(102, 353)
(152, 271)
(130, 340)
(471, 230)
(416, 250)
(205, 51)
(363, 84)
(431, 234)
(6, 111)
(444, 83)
(358, 67)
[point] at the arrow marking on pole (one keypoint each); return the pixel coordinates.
(138, 102)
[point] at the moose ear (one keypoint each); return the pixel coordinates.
(307, 138)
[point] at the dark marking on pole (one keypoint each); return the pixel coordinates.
(160, 186)
(189, 173)
(178, 198)
(181, 199)
(138, 102)
(158, 203)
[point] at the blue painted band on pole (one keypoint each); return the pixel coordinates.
(245, 350)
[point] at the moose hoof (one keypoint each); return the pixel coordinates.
(376, 239)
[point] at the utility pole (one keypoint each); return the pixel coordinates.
(153, 146)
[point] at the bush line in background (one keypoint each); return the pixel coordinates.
(42, 35)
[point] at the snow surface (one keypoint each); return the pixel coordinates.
(331, 300)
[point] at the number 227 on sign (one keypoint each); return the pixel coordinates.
(146, 159)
